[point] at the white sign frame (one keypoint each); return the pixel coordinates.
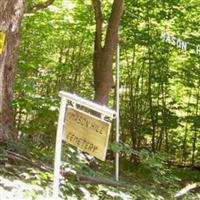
(65, 97)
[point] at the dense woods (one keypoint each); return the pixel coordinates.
(70, 45)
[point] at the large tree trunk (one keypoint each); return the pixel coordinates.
(11, 12)
(103, 55)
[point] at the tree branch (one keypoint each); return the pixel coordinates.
(99, 21)
(39, 6)
(15, 157)
(113, 26)
(191, 187)
(20, 158)
(94, 180)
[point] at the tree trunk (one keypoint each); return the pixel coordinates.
(11, 12)
(195, 129)
(185, 139)
(103, 55)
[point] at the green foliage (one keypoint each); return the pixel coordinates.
(159, 108)
(51, 59)
(160, 84)
(148, 180)
(117, 147)
(151, 164)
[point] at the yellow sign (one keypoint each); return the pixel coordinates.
(2, 40)
(87, 132)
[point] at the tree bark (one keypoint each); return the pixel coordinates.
(39, 6)
(103, 55)
(11, 12)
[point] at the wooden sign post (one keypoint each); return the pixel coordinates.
(80, 129)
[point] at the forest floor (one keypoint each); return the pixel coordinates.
(26, 172)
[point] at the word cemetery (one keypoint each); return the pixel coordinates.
(177, 42)
(81, 142)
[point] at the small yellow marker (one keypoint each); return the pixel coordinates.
(2, 40)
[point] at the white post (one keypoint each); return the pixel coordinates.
(65, 96)
(117, 110)
(59, 135)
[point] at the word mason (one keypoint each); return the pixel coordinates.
(177, 42)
